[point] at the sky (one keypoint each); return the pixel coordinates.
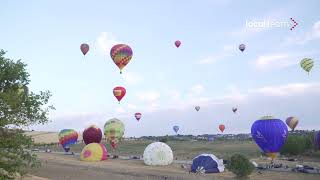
(163, 82)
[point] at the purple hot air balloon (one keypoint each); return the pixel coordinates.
(84, 48)
(270, 134)
(242, 47)
(176, 129)
(317, 140)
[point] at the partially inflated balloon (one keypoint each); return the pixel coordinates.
(157, 153)
(119, 92)
(84, 48)
(270, 134)
(306, 64)
(176, 128)
(177, 43)
(292, 122)
(92, 134)
(242, 47)
(121, 55)
(114, 131)
(221, 127)
(94, 152)
(197, 108)
(67, 137)
(137, 116)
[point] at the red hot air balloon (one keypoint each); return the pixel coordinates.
(137, 116)
(177, 43)
(84, 48)
(92, 134)
(119, 92)
(221, 127)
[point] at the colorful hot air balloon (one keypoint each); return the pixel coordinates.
(292, 122)
(67, 137)
(270, 134)
(306, 64)
(119, 92)
(121, 55)
(221, 127)
(317, 140)
(84, 48)
(234, 109)
(176, 129)
(94, 152)
(92, 134)
(137, 116)
(242, 47)
(177, 43)
(113, 131)
(197, 108)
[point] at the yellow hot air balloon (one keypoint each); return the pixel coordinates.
(94, 152)
(306, 64)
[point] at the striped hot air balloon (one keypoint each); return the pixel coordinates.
(292, 122)
(306, 64)
(121, 55)
(67, 137)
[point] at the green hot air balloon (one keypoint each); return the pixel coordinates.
(114, 131)
(306, 64)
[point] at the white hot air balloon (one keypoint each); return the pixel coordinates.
(157, 153)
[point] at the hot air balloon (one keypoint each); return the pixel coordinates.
(119, 92)
(92, 134)
(197, 108)
(137, 116)
(176, 129)
(270, 134)
(113, 131)
(121, 55)
(234, 109)
(94, 152)
(292, 122)
(221, 127)
(84, 48)
(306, 64)
(67, 137)
(317, 140)
(242, 47)
(177, 43)
(157, 154)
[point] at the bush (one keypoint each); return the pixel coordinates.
(296, 145)
(240, 166)
(164, 140)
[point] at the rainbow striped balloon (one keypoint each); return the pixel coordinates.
(94, 152)
(67, 137)
(121, 55)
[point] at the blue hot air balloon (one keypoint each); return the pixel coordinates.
(270, 134)
(176, 128)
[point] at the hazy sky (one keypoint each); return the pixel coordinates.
(163, 82)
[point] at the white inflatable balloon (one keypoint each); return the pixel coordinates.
(157, 153)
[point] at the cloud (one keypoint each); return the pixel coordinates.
(226, 52)
(306, 37)
(275, 61)
(150, 96)
(132, 78)
(106, 41)
(207, 60)
(197, 89)
(174, 94)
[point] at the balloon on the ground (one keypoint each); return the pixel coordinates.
(270, 134)
(157, 153)
(94, 152)
(114, 131)
(177, 43)
(234, 109)
(176, 128)
(119, 92)
(197, 108)
(84, 48)
(306, 64)
(292, 122)
(92, 134)
(137, 116)
(207, 163)
(222, 127)
(242, 47)
(317, 139)
(121, 55)
(67, 137)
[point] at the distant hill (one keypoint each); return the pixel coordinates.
(46, 137)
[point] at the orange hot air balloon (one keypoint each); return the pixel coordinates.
(119, 92)
(221, 127)
(84, 48)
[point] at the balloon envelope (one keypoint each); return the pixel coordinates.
(94, 152)
(234, 109)
(157, 153)
(270, 134)
(221, 127)
(176, 128)
(242, 47)
(197, 108)
(306, 64)
(67, 137)
(177, 43)
(114, 131)
(119, 92)
(292, 122)
(92, 134)
(137, 116)
(84, 48)
(121, 55)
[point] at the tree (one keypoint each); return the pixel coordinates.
(240, 166)
(18, 108)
